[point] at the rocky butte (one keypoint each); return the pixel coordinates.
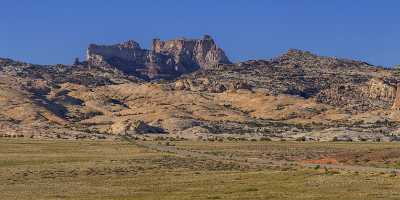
(166, 59)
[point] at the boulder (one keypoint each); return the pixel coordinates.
(183, 84)
(178, 124)
(133, 127)
(237, 85)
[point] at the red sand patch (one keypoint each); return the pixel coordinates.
(322, 161)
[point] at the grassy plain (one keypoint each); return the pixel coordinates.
(61, 169)
(372, 154)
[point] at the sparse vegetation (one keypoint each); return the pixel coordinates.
(57, 169)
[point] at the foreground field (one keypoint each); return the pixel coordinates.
(367, 154)
(57, 169)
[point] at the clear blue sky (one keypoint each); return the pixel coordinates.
(56, 31)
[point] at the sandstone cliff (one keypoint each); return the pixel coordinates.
(192, 54)
(379, 89)
(396, 104)
(166, 59)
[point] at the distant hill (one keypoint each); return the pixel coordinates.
(189, 88)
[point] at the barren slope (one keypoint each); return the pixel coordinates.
(297, 95)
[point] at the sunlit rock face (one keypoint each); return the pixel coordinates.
(166, 59)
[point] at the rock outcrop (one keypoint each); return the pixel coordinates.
(212, 86)
(166, 59)
(396, 104)
(379, 89)
(190, 55)
(133, 127)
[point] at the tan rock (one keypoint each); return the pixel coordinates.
(202, 53)
(378, 89)
(133, 127)
(166, 59)
(396, 104)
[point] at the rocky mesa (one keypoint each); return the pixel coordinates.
(166, 59)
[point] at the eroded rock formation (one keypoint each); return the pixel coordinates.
(192, 54)
(379, 89)
(166, 59)
(396, 104)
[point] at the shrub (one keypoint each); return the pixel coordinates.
(362, 139)
(393, 174)
(301, 139)
(159, 138)
(378, 139)
(251, 190)
(211, 139)
(265, 139)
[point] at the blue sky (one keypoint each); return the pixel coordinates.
(57, 31)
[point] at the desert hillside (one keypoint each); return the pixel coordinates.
(188, 88)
